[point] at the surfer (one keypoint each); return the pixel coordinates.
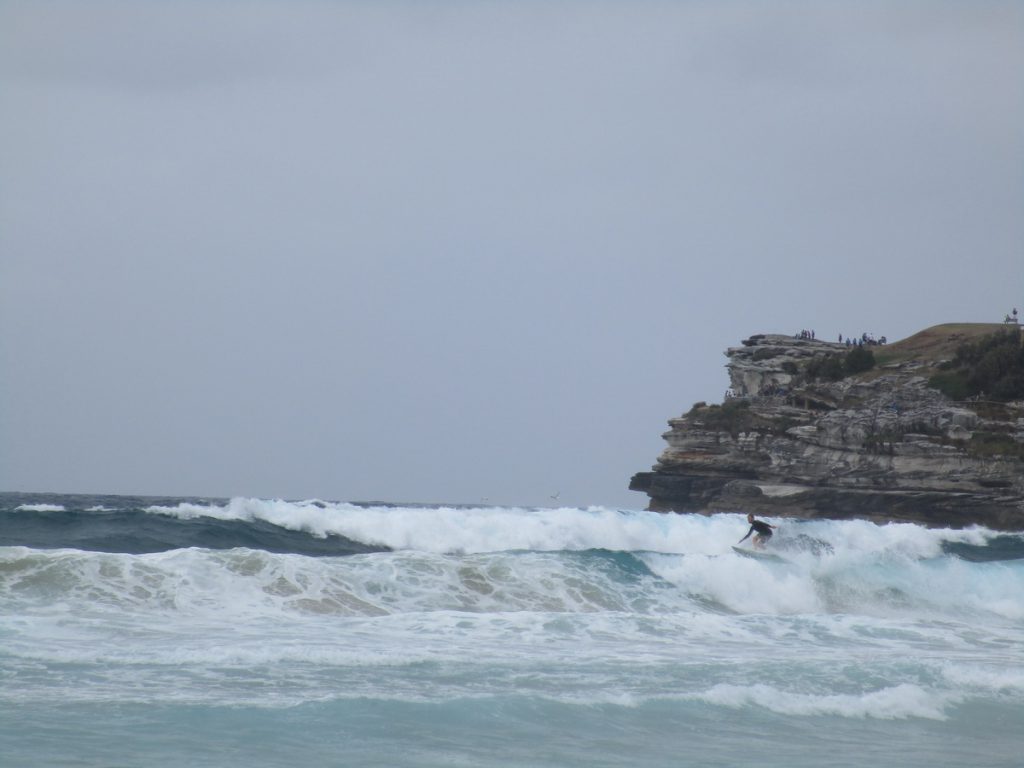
(762, 530)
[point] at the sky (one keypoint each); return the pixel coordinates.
(455, 251)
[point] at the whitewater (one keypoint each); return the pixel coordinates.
(250, 632)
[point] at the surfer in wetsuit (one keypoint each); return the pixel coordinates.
(762, 530)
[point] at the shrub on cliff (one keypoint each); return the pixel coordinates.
(858, 360)
(732, 416)
(838, 367)
(827, 368)
(953, 384)
(992, 367)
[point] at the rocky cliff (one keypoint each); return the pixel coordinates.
(879, 444)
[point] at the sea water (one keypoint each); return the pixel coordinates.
(246, 632)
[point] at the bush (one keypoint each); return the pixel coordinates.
(858, 360)
(829, 368)
(993, 366)
(953, 384)
(733, 416)
(836, 367)
(1009, 387)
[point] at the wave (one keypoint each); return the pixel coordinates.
(993, 548)
(502, 559)
(469, 529)
(897, 702)
(885, 626)
(137, 531)
(254, 582)
(314, 527)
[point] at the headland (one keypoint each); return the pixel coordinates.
(928, 430)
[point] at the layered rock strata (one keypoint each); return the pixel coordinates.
(880, 445)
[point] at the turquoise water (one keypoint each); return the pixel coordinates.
(467, 636)
(509, 732)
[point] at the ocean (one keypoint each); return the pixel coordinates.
(143, 632)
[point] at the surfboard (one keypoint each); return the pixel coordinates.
(756, 555)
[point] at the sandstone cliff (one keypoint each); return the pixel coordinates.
(880, 444)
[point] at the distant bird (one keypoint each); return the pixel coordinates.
(556, 495)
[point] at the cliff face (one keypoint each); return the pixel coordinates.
(880, 444)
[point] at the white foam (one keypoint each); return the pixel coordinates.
(251, 583)
(1007, 677)
(492, 529)
(39, 508)
(741, 584)
(878, 570)
(898, 702)
(459, 529)
(875, 570)
(252, 626)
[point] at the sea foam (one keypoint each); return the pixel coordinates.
(494, 529)
(895, 702)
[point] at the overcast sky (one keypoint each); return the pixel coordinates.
(448, 251)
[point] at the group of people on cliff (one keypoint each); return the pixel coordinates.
(866, 339)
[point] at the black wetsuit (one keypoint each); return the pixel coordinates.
(763, 529)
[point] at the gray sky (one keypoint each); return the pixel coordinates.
(446, 251)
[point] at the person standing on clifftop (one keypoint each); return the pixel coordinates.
(761, 528)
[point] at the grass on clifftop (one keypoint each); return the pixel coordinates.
(937, 344)
(965, 360)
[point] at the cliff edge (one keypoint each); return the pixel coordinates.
(817, 429)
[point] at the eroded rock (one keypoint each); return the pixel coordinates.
(880, 445)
